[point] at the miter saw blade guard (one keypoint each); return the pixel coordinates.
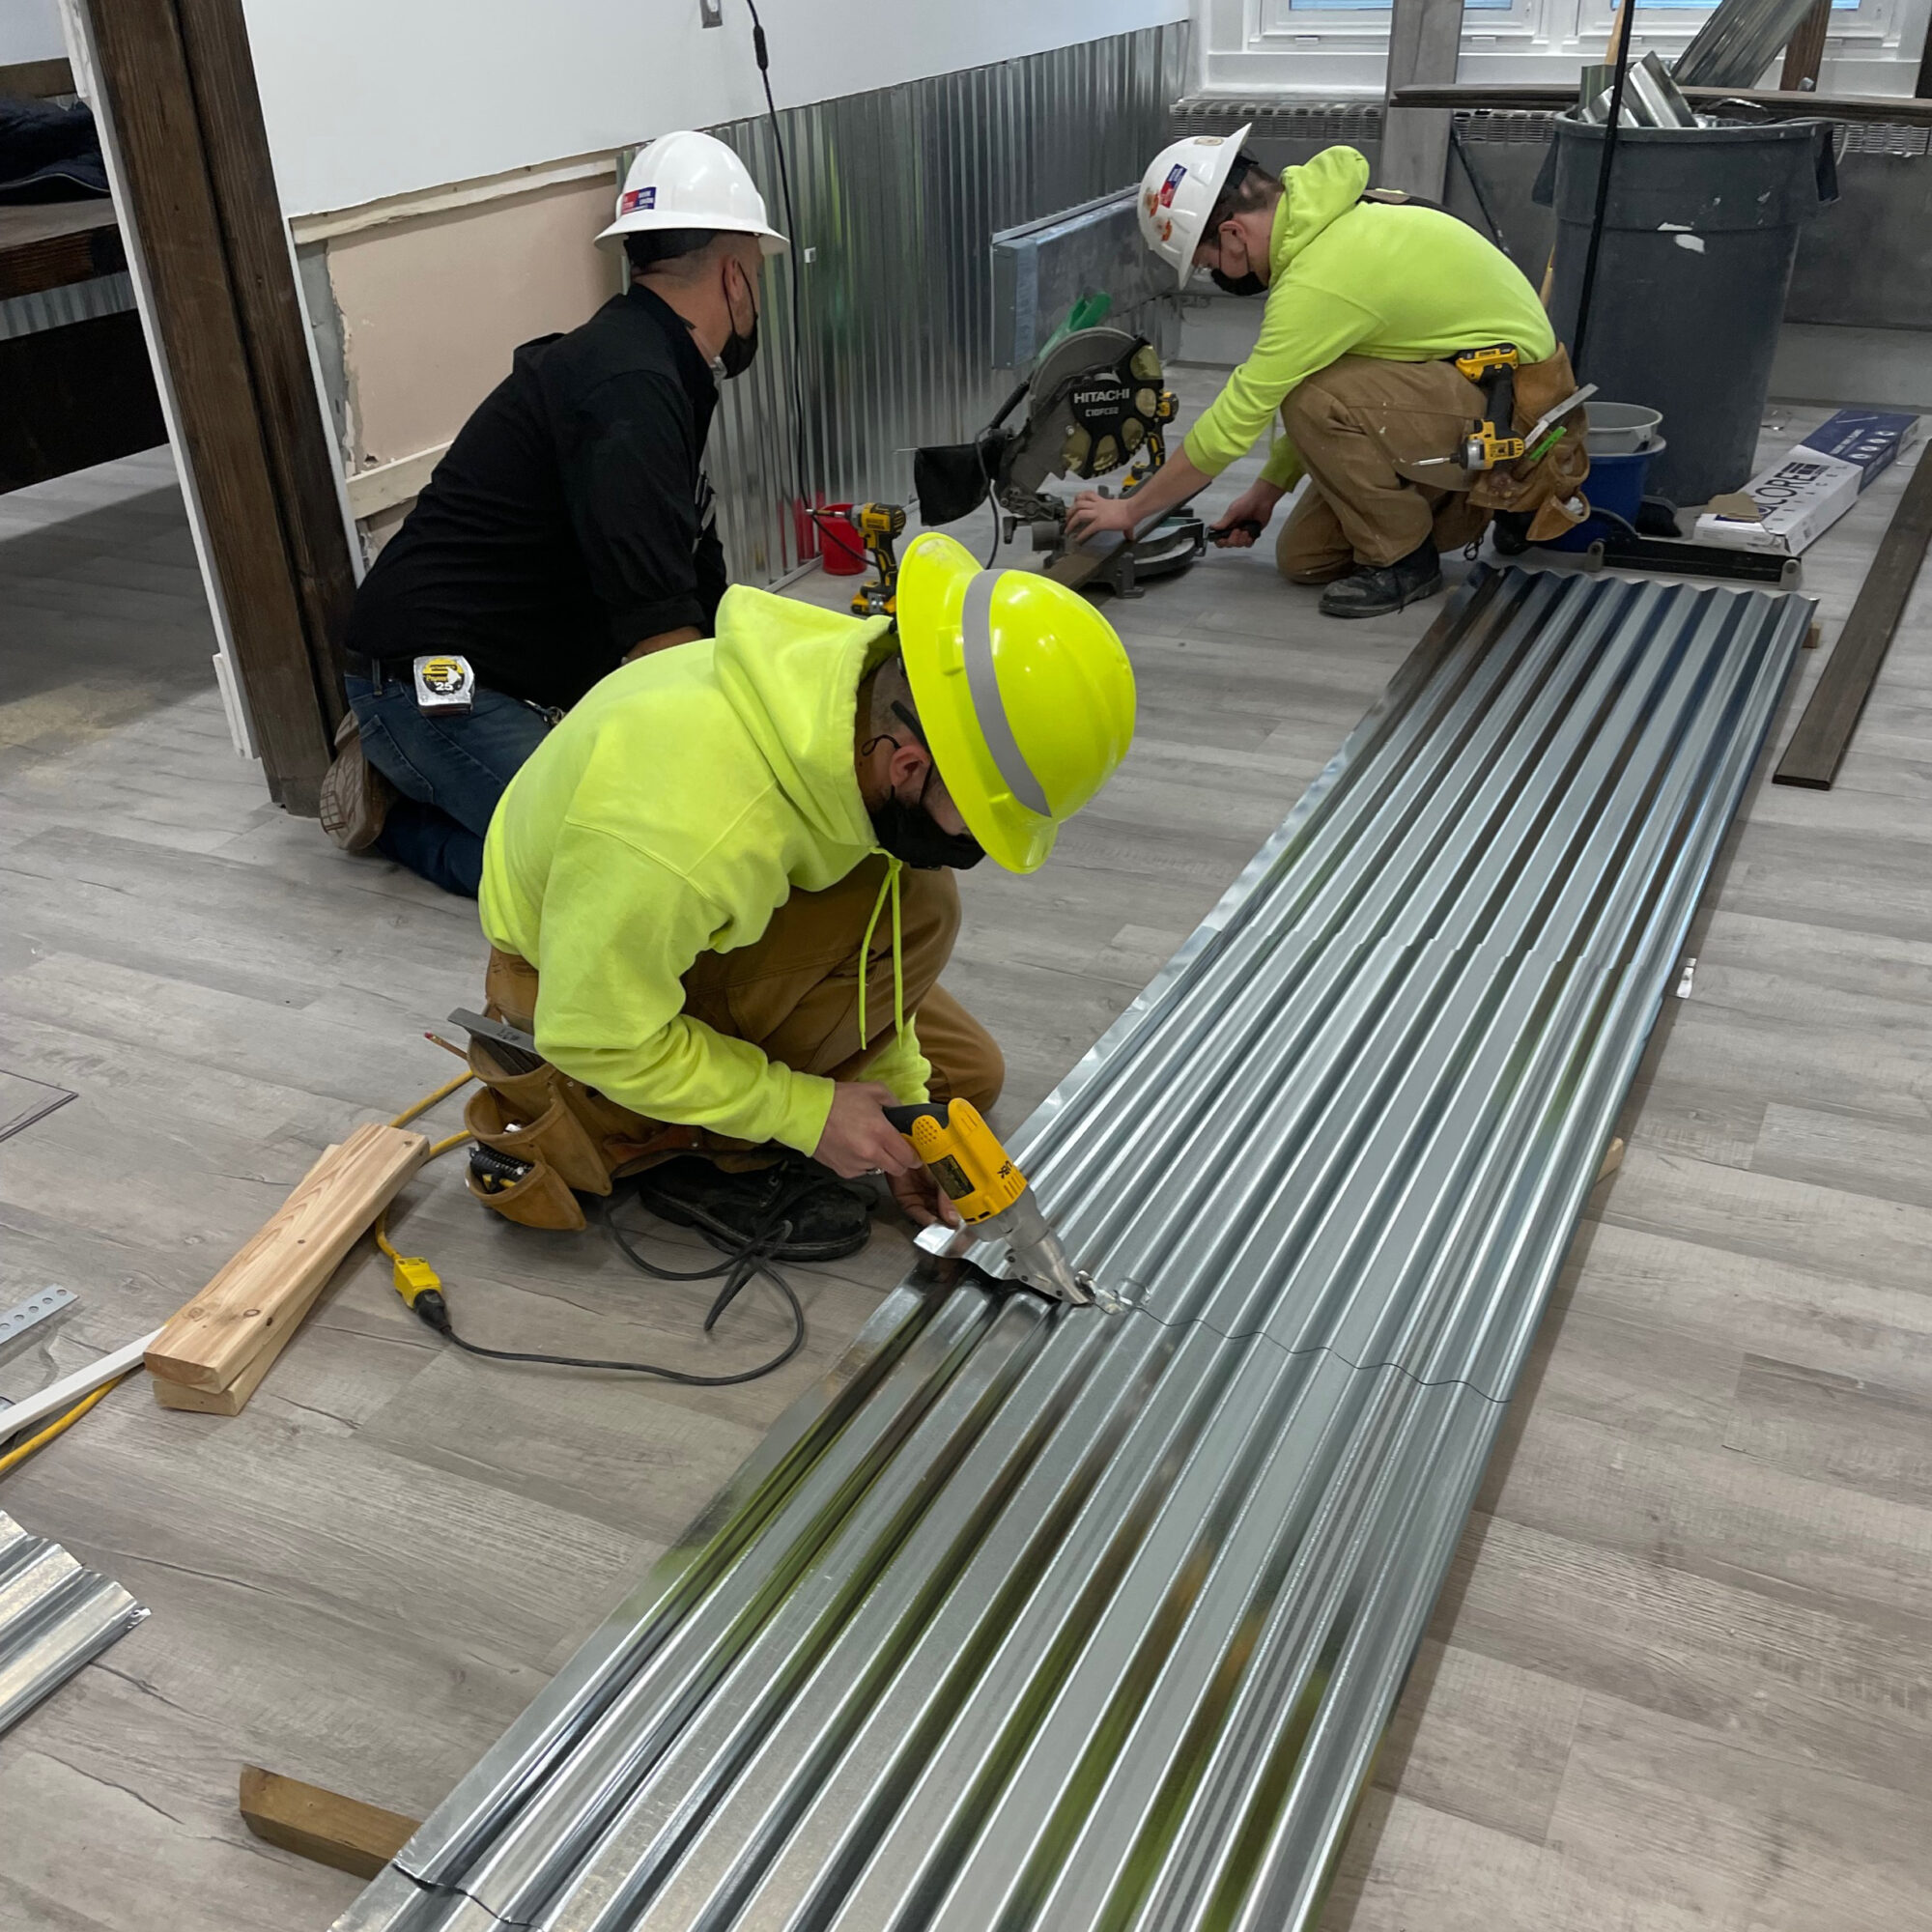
(1095, 403)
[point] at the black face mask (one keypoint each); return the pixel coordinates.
(739, 350)
(1250, 284)
(913, 835)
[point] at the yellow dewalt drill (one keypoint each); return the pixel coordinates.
(1492, 370)
(978, 1177)
(881, 525)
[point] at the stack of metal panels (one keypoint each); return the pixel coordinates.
(1739, 41)
(1045, 1617)
(54, 1617)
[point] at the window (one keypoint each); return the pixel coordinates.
(1338, 49)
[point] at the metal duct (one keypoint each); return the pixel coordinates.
(54, 1617)
(897, 194)
(1040, 1617)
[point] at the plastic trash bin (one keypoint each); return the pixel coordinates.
(1698, 240)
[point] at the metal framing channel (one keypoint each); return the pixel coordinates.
(1040, 1617)
(54, 1617)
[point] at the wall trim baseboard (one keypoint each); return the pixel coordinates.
(419, 202)
(388, 484)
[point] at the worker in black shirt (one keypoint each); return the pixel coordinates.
(568, 527)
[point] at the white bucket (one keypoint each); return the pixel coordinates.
(1620, 429)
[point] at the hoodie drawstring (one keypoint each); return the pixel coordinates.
(890, 884)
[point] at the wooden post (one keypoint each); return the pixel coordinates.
(179, 95)
(1805, 53)
(1425, 41)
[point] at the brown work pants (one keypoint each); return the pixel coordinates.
(794, 992)
(1362, 428)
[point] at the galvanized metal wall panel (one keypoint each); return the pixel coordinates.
(898, 193)
(1045, 1617)
(54, 1617)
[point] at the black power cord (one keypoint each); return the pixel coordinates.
(1581, 332)
(761, 53)
(745, 1256)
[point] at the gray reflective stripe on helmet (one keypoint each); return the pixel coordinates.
(976, 623)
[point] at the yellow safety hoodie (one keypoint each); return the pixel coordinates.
(678, 804)
(1355, 277)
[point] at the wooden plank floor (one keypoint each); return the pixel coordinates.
(1680, 1676)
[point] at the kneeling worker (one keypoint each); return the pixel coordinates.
(1370, 300)
(569, 525)
(695, 896)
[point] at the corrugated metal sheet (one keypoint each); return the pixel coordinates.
(897, 194)
(1045, 1618)
(72, 301)
(54, 1617)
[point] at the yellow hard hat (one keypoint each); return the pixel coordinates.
(1024, 691)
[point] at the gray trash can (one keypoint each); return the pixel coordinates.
(1698, 242)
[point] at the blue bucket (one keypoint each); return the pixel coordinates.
(1615, 483)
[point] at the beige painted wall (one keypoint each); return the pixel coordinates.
(432, 309)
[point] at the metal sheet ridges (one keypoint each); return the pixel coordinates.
(1036, 1618)
(54, 1617)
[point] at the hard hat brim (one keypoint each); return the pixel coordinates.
(932, 591)
(643, 218)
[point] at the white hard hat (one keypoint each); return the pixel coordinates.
(1178, 192)
(690, 180)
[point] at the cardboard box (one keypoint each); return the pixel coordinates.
(1816, 483)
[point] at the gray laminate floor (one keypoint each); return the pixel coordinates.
(1680, 1678)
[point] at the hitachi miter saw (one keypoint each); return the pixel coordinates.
(1095, 403)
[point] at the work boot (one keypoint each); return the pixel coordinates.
(1374, 589)
(356, 797)
(828, 1219)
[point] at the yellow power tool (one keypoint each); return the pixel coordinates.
(881, 525)
(1492, 370)
(978, 1177)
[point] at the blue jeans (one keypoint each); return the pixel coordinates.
(450, 769)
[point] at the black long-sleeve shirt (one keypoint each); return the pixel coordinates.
(570, 519)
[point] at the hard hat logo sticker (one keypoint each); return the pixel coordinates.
(636, 198)
(1176, 175)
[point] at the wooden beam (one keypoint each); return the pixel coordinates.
(322, 1824)
(255, 1303)
(302, 459)
(1818, 746)
(1804, 54)
(37, 80)
(48, 244)
(1425, 45)
(149, 102)
(1542, 96)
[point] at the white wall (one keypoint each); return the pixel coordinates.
(371, 97)
(30, 30)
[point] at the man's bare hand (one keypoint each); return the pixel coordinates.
(858, 1138)
(922, 1199)
(1093, 512)
(1254, 505)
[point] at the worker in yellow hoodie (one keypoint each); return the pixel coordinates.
(1369, 301)
(719, 894)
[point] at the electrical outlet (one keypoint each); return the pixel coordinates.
(710, 12)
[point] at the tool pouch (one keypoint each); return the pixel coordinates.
(577, 1141)
(1549, 491)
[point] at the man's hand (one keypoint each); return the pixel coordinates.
(1254, 505)
(858, 1138)
(922, 1199)
(1092, 513)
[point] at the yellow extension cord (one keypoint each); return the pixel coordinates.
(399, 1263)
